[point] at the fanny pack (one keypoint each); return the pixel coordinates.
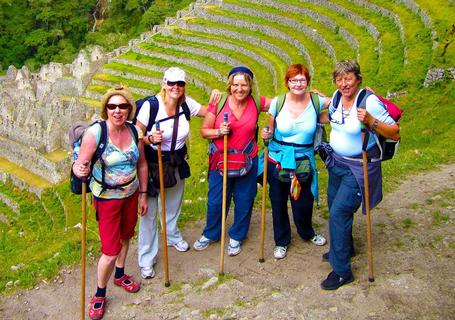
(302, 171)
(239, 162)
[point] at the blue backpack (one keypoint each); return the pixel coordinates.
(76, 134)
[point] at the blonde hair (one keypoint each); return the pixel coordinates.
(248, 79)
(163, 95)
(118, 90)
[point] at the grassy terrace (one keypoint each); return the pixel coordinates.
(321, 60)
(368, 56)
(194, 72)
(260, 70)
(441, 13)
(276, 61)
(392, 48)
(221, 67)
(342, 48)
(40, 239)
(132, 69)
(418, 42)
(25, 175)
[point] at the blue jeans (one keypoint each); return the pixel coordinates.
(344, 199)
(302, 209)
(243, 190)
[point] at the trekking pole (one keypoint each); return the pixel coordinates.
(367, 202)
(223, 206)
(163, 213)
(264, 194)
(83, 244)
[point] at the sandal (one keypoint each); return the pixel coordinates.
(96, 309)
(127, 283)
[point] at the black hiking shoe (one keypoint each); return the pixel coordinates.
(325, 256)
(334, 281)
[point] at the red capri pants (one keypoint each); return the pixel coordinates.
(117, 219)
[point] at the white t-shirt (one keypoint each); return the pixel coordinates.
(168, 125)
(346, 138)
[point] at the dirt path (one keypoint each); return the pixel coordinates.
(414, 249)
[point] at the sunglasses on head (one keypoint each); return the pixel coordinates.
(122, 106)
(180, 84)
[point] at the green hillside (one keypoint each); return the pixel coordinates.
(396, 42)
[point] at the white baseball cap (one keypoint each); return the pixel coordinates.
(174, 74)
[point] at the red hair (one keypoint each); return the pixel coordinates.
(296, 69)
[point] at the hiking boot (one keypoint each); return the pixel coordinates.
(181, 246)
(202, 243)
(147, 272)
(234, 247)
(280, 252)
(127, 283)
(96, 309)
(325, 256)
(334, 281)
(318, 240)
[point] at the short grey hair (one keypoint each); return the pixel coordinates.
(347, 66)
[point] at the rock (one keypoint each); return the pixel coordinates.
(207, 272)
(211, 282)
(8, 284)
(213, 317)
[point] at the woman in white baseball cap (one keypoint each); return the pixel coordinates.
(173, 110)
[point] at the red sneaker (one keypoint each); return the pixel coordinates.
(96, 309)
(127, 283)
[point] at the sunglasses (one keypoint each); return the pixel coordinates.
(121, 106)
(180, 84)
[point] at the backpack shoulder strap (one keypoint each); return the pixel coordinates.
(362, 98)
(280, 103)
(257, 101)
(316, 103)
(221, 103)
(103, 141)
(336, 99)
(133, 130)
(186, 111)
(154, 105)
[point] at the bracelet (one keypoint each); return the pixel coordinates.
(218, 133)
(142, 191)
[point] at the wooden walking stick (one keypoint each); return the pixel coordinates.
(223, 205)
(163, 213)
(367, 202)
(83, 244)
(264, 194)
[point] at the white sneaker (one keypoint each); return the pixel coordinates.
(234, 247)
(147, 272)
(318, 240)
(280, 252)
(181, 246)
(202, 243)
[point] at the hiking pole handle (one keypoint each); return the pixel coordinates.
(225, 117)
(266, 141)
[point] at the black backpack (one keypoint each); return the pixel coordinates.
(154, 105)
(76, 134)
